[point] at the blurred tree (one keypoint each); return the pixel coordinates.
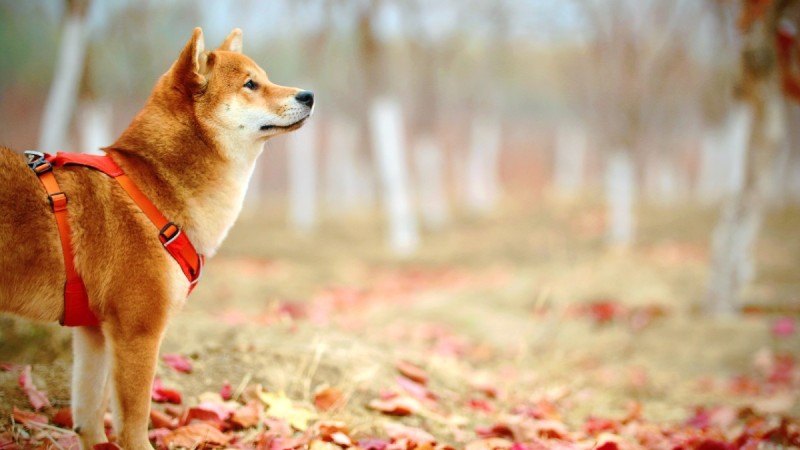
(764, 71)
(635, 87)
(61, 100)
(384, 121)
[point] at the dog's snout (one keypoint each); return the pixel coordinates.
(305, 97)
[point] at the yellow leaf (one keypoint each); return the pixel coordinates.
(279, 406)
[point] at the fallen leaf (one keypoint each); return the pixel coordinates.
(248, 415)
(373, 444)
(38, 399)
(412, 372)
(160, 394)
(399, 405)
(783, 327)
(415, 435)
(160, 419)
(63, 418)
(195, 435)
(281, 407)
(177, 362)
(226, 392)
(328, 398)
(415, 389)
(27, 418)
(490, 444)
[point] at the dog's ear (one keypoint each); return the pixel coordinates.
(233, 43)
(190, 68)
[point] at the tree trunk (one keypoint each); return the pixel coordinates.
(94, 121)
(302, 150)
(386, 125)
(570, 159)
(738, 227)
(482, 188)
(63, 95)
(431, 193)
(343, 186)
(723, 155)
(620, 194)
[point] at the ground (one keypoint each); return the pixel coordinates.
(522, 318)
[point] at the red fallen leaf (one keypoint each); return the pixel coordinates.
(498, 430)
(247, 416)
(480, 404)
(328, 398)
(485, 388)
(399, 405)
(594, 426)
(157, 436)
(195, 435)
(63, 418)
(783, 370)
(397, 431)
(162, 420)
(177, 362)
(160, 394)
(415, 389)
(226, 392)
(278, 427)
(8, 367)
(38, 399)
(412, 372)
(743, 385)
(701, 419)
(712, 444)
(27, 418)
(204, 413)
(783, 327)
(494, 443)
(373, 444)
(7, 441)
(604, 311)
(607, 445)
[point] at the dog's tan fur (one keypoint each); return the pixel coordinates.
(191, 150)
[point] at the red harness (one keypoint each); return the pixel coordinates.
(76, 300)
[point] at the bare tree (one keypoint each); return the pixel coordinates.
(61, 100)
(634, 83)
(762, 75)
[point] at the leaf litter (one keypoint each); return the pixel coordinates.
(432, 384)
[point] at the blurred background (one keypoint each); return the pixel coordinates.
(432, 113)
(531, 188)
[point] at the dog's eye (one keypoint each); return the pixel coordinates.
(251, 85)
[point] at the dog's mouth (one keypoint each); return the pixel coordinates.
(289, 127)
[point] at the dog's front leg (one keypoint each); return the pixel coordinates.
(134, 352)
(90, 387)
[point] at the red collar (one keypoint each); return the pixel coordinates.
(174, 240)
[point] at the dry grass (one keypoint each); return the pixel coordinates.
(485, 283)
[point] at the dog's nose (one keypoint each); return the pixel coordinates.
(305, 97)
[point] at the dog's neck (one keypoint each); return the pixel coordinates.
(197, 179)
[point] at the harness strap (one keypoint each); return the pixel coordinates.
(76, 300)
(177, 244)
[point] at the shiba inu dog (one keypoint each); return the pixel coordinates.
(191, 151)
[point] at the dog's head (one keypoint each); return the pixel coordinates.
(231, 95)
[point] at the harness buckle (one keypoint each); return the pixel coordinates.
(169, 233)
(37, 162)
(58, 200)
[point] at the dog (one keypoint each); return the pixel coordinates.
(191, 150)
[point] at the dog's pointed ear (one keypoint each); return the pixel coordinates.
(232, 43)
(190, 68)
